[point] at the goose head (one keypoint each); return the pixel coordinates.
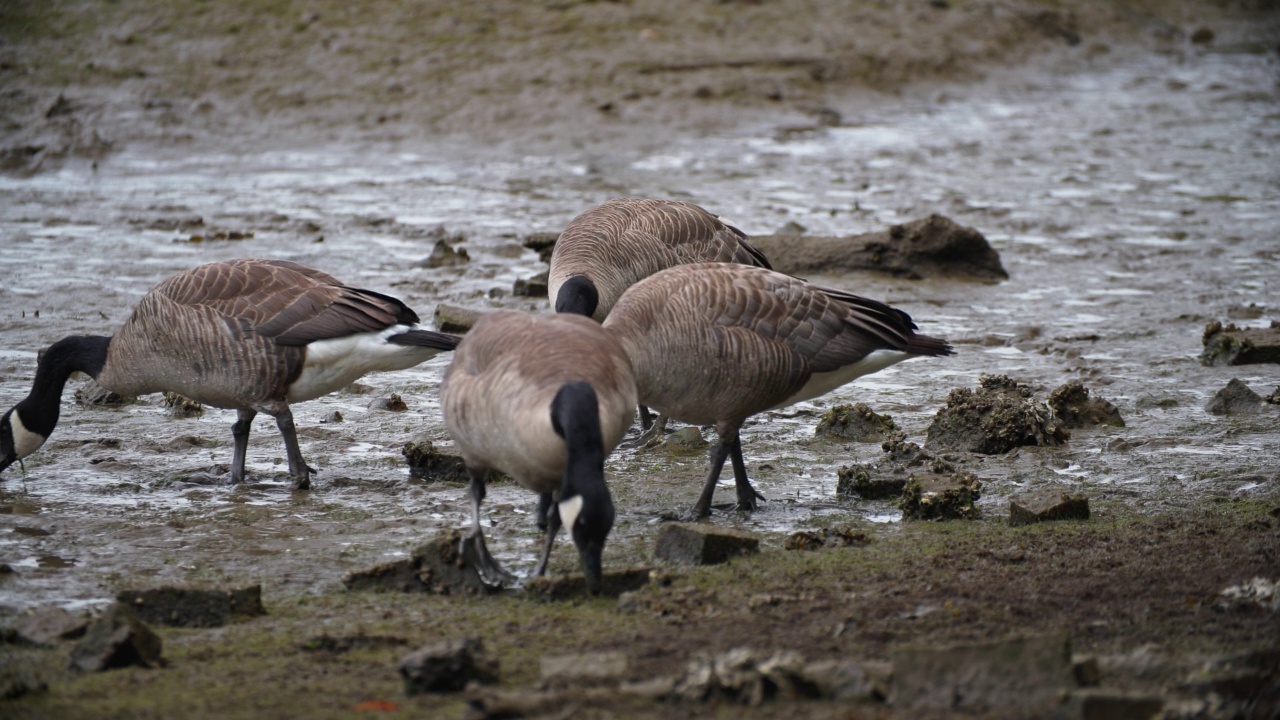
(585, 507)
(16, 441)
(578, 295)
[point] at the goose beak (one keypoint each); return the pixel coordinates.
(591, 566)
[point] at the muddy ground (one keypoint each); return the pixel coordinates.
(1121, 157)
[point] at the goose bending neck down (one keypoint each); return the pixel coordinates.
(543, 400)
(249, 335)
(714, 343)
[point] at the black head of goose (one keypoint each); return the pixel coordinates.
(714, 343)
(614, 245)
(544, 400)
(250, 335)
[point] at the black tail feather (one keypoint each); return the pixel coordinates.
(928, 346)
(426, 338)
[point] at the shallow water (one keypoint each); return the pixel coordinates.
(1130, 205)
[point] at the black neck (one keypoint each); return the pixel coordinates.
(83, 353)
(578, 295)
(575, 415)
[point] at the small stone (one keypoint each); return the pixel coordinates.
(941, 497)
(1022, 677)
(1047, 505)
(333, 417)
(447, 667)
(702, 544)
(194, 607)
(543, 243)
(444, 255)
(1073, 406)
(1202, 36)
(453, 319)
(584, 669)
(1235, 399)
(91, 393)
(826, 537)
(859, 480)
(1252, 311)
(687, 438)
(1231, 345)
(846, 680)
(117, 639)
(435, 567)
(574, 585)
(857, 422)
(427, 463)
(536, 286)
(179, 406)
(391, 403)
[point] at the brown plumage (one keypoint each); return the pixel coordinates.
(620, 242)
(543, 399)
(251, 335)
(714, 343)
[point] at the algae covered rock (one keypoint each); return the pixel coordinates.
(1073, 406)
(427, 463)
(857, 422)
(941, 497)
(995, 418)
(865, 481)
(1231, 345)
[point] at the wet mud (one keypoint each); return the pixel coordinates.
(1125, 175)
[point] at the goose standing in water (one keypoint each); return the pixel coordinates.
(714, 343)
(612, 246)
(250, 335)
(543, 399)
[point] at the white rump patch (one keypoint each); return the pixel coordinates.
(334, 364)
(823, 383)
(25, 442)
(569, 511)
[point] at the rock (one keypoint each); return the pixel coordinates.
(686, 439)
(826, 537)
(1231, 345)
(91, 393)
(117, 639)
(333, 417)
(583, 669)
(1252, 311)
(1022, 677)
(447, 667)
(543, 243)
(1047, 505)
(1235, 399)
(934, 246)
(859, 480)
(535, 286)
(996, 418)
(435, 567)
(454, 319)
(427, 463)
(848, 680)
(941, 497)
(1108, 704)
(574, 585)
(391, 403)
(444, 255)
(748, 677)
(179, 406)
(1202, 36)
(194, 607)
(1073, 406)
(48, 626)
(702, 544)
(857, 422)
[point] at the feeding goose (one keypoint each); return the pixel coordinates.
(250, 335)
(614, 245)
(543, 399)
(714, 343)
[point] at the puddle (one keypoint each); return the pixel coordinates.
(1105, 227)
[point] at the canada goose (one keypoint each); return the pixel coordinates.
(614, 245)
(714, 343)
(543, 399)
(252, 335)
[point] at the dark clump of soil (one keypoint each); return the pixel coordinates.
(1073, 406)
(427, 463)
(1231, 345)
(436, 567)
(857, 422)
(932, 247)
(194, 607)
(888, 478)
(996, 418)
(574, 585)
(448, 667)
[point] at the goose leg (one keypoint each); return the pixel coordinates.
(298, 469)
(553, 527)
(747, 495)
(546, 506)
(702, 508)
(473, 549)
(646, 420)
(240, 443)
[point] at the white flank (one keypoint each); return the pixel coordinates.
(334, 364)
(569, 510)
(823, 383)
(25, 442)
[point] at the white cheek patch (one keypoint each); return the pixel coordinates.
(569, 511)
(25, 442)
